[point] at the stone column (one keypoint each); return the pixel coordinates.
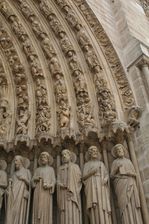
(135, 163)
(143, 66)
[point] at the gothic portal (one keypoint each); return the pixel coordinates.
(68, 119)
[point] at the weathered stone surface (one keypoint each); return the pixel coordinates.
(73, 74)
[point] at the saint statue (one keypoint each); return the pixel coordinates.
(95, 178)
(3, 181)
(43, 183)
(125, 185)
(18, 193)
(69, 186)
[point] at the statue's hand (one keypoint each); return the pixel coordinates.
(22, 178)
(37, 179)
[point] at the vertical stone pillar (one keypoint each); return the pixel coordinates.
(143, 66)
(135, 163)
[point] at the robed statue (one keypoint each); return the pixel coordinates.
(18, 192)
(43, 183)
(3, 181)
(69, 186)
(125, 185)
(95, 179)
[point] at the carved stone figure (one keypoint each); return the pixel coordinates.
(36, 26)
(17, 26)
(91, 58)
(69, 186)
(22, 121)
(25, 8)
(70, 16)
(47, 46)
(43, 119)
(65, 43)
(4, 117)
(55, 24)
(85, 117)
(3, 181)
(18, 195)
(55, 66)
(64, 114)
(125, 185)
(133, 117)
(43, 184)
(95, 178)
(60, 87)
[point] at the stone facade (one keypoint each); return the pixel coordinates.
(127, 27)
(73, 74)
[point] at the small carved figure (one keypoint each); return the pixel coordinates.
(4, 117)
(47, 46)
(82, 36)
(70, 16)
(5, 42)
(27, 46)
(43, 183)
(35, 66)
(60, 88)
(44, 8)
(3, 181)
(55, 66)
(133, 117)
(25, 8)
(124, 179)
(18, 194)
(80, 85)
(17, 26)
(91, 57)
(55, 24)
(64, 114)
(43, 119)
(65, 43)
(22, 121)
(69, 186)
(95, 178)
(36, 26)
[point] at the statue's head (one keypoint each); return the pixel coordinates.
(119, 151)
(66, 156)
(19, 162)
(44, 158)
(93, 152)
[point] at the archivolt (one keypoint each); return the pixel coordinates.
(75, 77)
